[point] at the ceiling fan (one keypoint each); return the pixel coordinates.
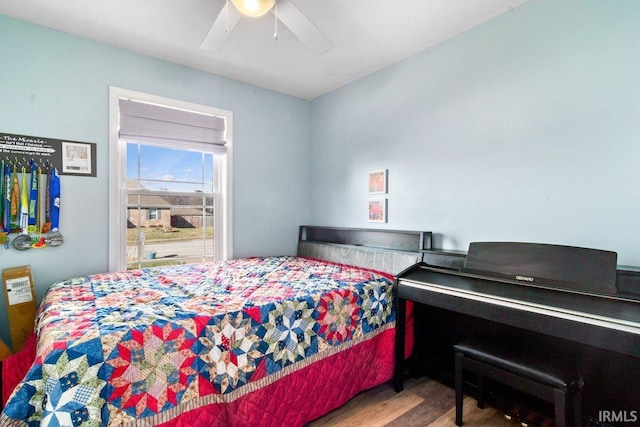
(285, 11)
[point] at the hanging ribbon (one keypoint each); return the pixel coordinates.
(33, 199)
(46, 227)
(15, 200)
(4, 236)
(54, 238)
(7, 203)
(23, 241)
(2, 204)
(42, 199)
(54, 199)
(39, 242)
(24, 203)
(7, 197)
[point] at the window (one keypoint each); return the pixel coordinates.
(169, 183)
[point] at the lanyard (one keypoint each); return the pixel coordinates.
(15, 199)
(2, 196)
(42, 241)
(54, 199)
(4, 222)
(7, 197)
(41, 197)
(33, 199)
(24, 203)
(46, 227)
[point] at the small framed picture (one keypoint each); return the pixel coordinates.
(76, 158)
(378, 210)
(378, 181)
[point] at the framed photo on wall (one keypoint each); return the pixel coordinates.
(76, 158)
(378, 210)
(377, 181)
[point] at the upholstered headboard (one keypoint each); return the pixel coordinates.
(389, 251)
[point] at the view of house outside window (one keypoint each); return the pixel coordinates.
(171, 203)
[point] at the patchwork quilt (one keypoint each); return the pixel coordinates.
(257, 341)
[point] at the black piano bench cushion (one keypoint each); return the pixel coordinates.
(533, 363)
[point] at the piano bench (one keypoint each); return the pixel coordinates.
(532, 371)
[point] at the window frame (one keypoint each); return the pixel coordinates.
(117, 177)
(153, 214)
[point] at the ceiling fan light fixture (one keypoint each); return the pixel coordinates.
(253, 8)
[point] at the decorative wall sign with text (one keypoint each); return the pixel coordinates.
(69, 157)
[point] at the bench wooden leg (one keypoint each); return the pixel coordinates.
(577, 406)
(560, 404)
(459, 397)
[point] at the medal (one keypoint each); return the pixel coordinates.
(22, 242)
(54, 239)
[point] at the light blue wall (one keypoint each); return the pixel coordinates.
(522, 129)
(526, 128)
(56, 85)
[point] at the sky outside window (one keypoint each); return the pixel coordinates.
(168, 169)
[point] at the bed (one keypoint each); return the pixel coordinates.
(267, 341)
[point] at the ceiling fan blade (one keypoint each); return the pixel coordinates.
(221, 28)
(302, 27)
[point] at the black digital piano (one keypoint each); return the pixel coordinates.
(568, 294)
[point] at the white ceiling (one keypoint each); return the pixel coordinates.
(367, 35)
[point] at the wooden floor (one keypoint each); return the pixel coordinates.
(423, 403)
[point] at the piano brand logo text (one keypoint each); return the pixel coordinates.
(524, 278)
(617, 416)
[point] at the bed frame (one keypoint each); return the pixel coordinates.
(389, 251)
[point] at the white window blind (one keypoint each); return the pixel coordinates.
(141, 122)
